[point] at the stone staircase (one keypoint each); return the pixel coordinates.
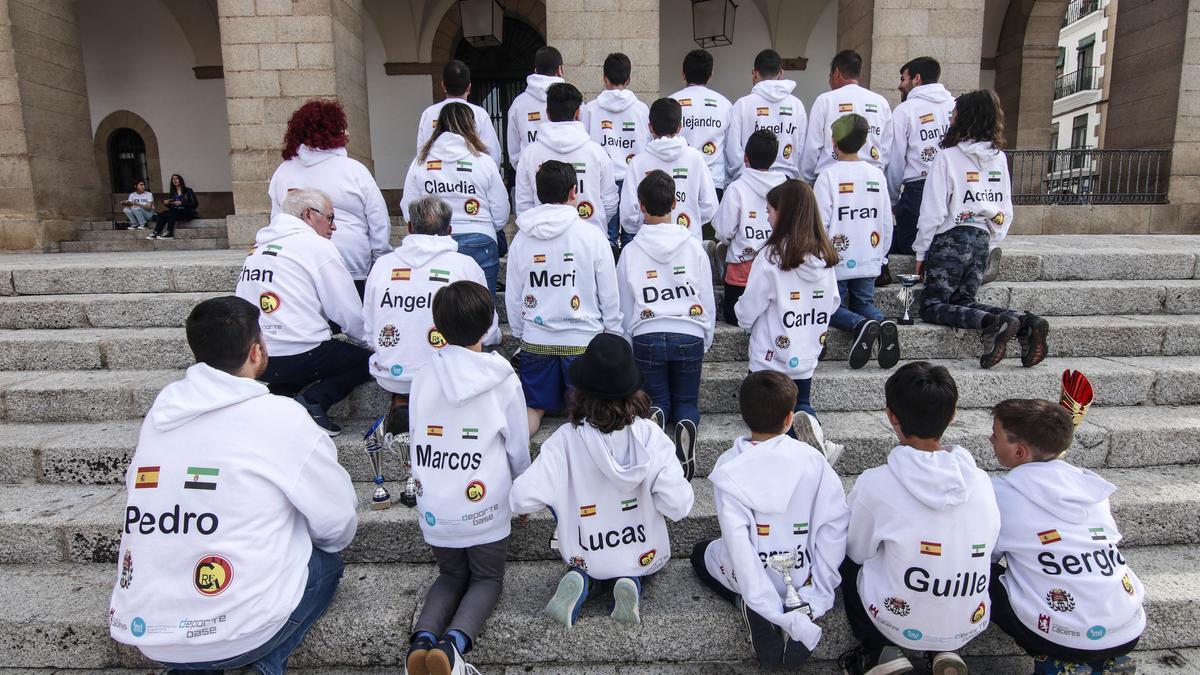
(87, 341)
(100, 237)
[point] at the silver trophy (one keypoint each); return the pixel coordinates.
(907, 281)
(379, 442)
(783, 564)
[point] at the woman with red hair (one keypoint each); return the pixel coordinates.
(314, 153)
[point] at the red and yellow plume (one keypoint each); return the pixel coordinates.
(1076, 395)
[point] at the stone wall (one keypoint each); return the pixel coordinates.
(1025, 70)
(586, 31)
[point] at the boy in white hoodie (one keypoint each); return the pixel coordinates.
(668, 311)
(456, 84)
(528, 109)
(1065, 594)
(617, 120)
(565, 139)
(775, 496)
(769, 105)
(610, 479)
(469, 441)
(560, 290)
(705, 114)
(921, 530)
(695, 196)
(846, 96)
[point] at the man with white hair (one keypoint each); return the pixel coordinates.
(297, 278)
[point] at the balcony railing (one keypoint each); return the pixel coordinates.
(1079, 9)
(1089, 176)
(1080, 80)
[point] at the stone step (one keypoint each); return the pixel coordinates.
(71, 523)
(100, 310)
(54, 616)
(183, 232)
(106, 225)
(143, 244)
(90, 273)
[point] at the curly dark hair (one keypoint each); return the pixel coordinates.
(607, 415)
(977, 117)
(319, 124)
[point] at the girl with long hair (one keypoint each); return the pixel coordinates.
(181, 207)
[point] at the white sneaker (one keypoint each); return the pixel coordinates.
(444, 659)
(808, 430)
(151, 236)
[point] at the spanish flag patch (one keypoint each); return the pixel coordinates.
(931, 548)
(764, 530)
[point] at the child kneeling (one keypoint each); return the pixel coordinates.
(774, 495)
(609, 477)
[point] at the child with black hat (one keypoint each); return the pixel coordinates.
(609, 477)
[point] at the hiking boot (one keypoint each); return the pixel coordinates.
(995, 339)
(992, 270)
(1122, 665)
(1032, 337)
(765, 637)
(808, 430)
(1044, 665)
(685, 447)
(568, 599)
(947, 663)
(884, 278)
(887, 661)
(866, 334)
(627, 595)
(318, 415)
(889, 344)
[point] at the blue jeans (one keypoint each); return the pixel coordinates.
(907, 210)
(858, 304)
(671, 363)
(804, 397)
(324, 574)
(614, 220)
(483, 250)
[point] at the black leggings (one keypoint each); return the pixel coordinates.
(702, 572)
(166, 220)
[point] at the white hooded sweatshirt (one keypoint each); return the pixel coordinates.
(620, 123)
(469, 183)
(595, 190)
(1066, 578)
(398, 306)
(483, 126)
(769, 105)
(695, 195)
(787, 314)
(298, 280)
(853, 200)
(918, 125)
(967, 185)
(470, 438)
(526, 114)
(741, 221)
(850, 98)
(229, 490)
(610, 494)
(561, 280)
(705, 121)
(923, 527)
(665, 281)
(364, 228)
(779, 496)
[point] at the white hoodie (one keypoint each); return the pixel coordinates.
(850, 98)
(609, 494)
(469, 183)
(595, 190)
(560, 280)
(364, 228)
(470, 438)
(787, 314)
(229, 490)
(1066, 577)
(853, 200)
(620, 123)
(779, 496)
(665, 281)
(918, 125)
(741, 221)
(769, 105)
(527, 113)
(923, 527)
(398, 306)
(695, 195)
(298, 280)
(705, 121)
(483, 126)
(967, 185)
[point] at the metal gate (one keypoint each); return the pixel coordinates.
(495, 96)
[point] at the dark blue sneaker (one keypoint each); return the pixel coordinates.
(568, 598)
(414, 662)
(318, 415)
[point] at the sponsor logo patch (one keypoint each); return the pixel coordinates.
(646, 558)
(435, 338)
(1060, 600)
(709, 148)
(268, 302)
(212, 575)
(979, 613)
(586, 210)
(897, 606)
(126, 570)
(389, 336)
(476, 491)
(471, 207)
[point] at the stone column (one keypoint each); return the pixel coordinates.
(586, 31)
(1184, 190)
(48, 178)
(1025, 71)
(277, 55)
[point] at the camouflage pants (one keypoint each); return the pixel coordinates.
(953, 271)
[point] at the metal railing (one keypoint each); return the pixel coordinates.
(1079, 9)
(1089, 176)
(1080, 80)
(496, 96)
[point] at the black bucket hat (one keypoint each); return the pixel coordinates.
(606, 369)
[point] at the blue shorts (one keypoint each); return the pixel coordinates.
(544, 380)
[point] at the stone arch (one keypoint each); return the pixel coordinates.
(449, 30)
(122, 119)
(1026, 52)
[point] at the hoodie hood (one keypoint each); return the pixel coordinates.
(623, 457)
(662, 241)
(743, 476)
(934, 92)
(536, 85)
(417, 249)
(464, 374)
(563, 137)
(812, 270)
(1065, 491)
(936, 479)
(311, 156)
(203, 389)
(667, 148)
(761, 182)
(548, 220)
(450, 147)
(774, 90)
(282, 225)
(979, 151)
(616, 100)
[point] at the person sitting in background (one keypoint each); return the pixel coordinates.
(181, 207)
(139, 206)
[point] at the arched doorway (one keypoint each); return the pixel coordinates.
(111, 129)
(126, 159)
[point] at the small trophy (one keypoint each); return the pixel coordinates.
(907, 281)
(783, 564)
(376, 443)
